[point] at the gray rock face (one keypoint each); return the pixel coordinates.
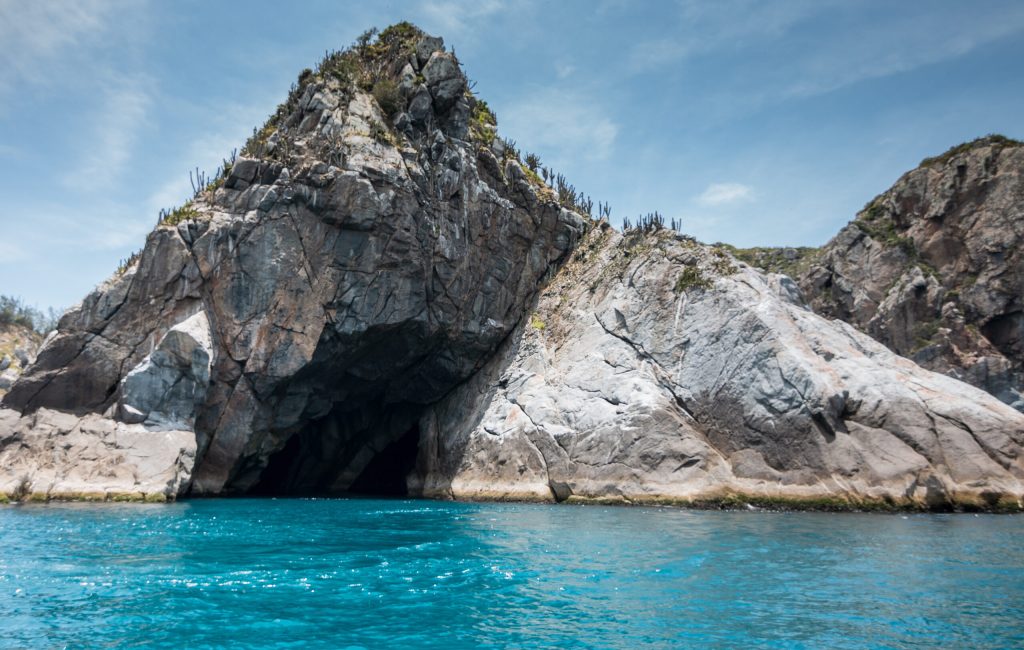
(350, 275)
(934, 269)
(52, 455)
(170, 384)
(445, 79)
(354, 305)
(656, 369)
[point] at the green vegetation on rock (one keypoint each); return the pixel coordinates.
(483, 124)
(186, 212)
(992, 140)
(784, 260)
(14, 312)
(691, 278)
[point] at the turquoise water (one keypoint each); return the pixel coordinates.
(290, 573)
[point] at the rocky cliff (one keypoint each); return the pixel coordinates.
(353, 305)
(369, 251)
(655, 369)
(933, 268)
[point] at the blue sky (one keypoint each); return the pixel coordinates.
(755, 123)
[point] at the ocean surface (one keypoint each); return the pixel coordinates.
(368, 573)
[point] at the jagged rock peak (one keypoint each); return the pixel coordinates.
(934, 268)
(368, 251)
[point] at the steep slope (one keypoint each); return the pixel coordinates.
(934, 267)
(656, 369)
(353, 305)
(370, 249)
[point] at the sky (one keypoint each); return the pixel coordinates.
(754, 123)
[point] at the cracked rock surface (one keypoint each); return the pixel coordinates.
(934, 269)
(379, 283)
(328, 289)
(657, 369)
(49, 454)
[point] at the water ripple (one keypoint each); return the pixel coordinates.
(316, 573)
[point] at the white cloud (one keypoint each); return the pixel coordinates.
(454, 19)
(562, 124)
(704, 27)
(564, 70)
(35, 35)
(844, 52)
(113, 133)
(895, 47)
(11, 253)
(655, 53)
(725, 193)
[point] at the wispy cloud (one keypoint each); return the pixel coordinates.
(718, 194)
(11, 253)
(455, 18)
(564, 70)
(879, 50)
(704, 27)
(34, 36)
(565, 124)
(113, 133)
(844, 49)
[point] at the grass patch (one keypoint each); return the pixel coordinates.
(784, 260)
(388, 97)
(536, 323)
(925, 333)
(692, 277)
(186, 212)
(876, 222)
(483, 124)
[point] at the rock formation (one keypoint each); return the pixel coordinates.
(368, 252)
(353, 305)
(656, 369)
(933, 268)
(49, 454)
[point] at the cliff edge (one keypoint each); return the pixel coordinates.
(381, 296)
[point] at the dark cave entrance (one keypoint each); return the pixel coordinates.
(278, 475)
(386, 473)
(320, 460)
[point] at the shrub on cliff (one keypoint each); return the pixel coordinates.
(14, 312)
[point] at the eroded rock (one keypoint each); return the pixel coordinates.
(350, 273)
(933, 267)
(657, 370)
(169, 385)
(52, 455)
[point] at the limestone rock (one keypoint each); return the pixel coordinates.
(656, 369)
(52, 455)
